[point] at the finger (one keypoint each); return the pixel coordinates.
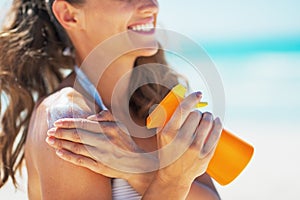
(203, 130)
(80, 160)
(87, 125)
(212, 139)
(91, 134)
(104, 115)
(76, 135)
(76, 148)
(84, 124)
(81, 149)
(182, 111)
(190, 125)
(76, 123)
(185, 137)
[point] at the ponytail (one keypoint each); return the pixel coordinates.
(31, 60)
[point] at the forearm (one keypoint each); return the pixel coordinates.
(160, 189)
(177, 190)
(140, 182)
(200, 191)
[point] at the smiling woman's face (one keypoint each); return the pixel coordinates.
(106, 18)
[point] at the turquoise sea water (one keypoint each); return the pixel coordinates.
(261, 79)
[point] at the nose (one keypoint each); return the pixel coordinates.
(147, 6)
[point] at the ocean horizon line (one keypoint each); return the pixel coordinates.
(247, 46)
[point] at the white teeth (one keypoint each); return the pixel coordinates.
(143, 27)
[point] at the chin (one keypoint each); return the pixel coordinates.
(147, 52)
(150, 50)
(144, 43)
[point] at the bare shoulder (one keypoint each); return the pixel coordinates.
(65, 103)
(58, 179)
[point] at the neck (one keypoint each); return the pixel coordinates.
(113, 84)
(110, 78)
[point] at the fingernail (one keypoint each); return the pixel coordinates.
(218, 120)
(92, 117)
(208, 116)
(59, 152)
(198, 94)
(50, 140)
(51, 132)
(58, 123)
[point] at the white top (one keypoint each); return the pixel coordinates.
(121, 190)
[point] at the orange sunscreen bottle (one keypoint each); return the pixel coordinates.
(231, 155)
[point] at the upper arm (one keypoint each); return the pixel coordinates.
(206, 180)
(203, 188)
(58, 178)
(62, 180)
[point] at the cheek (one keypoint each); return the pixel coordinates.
(108, 23)
(105, 19)
(109, 13)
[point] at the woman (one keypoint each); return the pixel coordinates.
(45, 37)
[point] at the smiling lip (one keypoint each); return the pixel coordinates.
(144, 27)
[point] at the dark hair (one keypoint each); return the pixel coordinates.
(33, 44)
(30, 68)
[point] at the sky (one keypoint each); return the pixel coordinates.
(232, 19)
(228, 20)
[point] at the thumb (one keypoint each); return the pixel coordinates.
(104, 115)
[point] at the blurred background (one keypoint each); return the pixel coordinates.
(255, 46)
